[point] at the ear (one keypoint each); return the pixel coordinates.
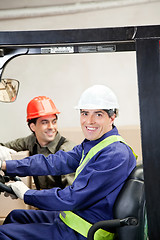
(32, 127)
(113, 118)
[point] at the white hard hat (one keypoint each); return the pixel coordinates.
(98, 97)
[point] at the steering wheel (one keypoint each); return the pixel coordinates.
(4, 187)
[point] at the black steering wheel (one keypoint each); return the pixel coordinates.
(4, 187)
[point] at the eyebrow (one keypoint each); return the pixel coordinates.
(84, 111)
(99, 111)
(81, 111)
(45, 119)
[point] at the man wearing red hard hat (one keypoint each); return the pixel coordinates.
(45, 139)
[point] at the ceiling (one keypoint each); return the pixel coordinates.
(8, 4)
(18, 9)
(15, 4)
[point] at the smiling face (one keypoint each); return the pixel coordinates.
(45, 129)
(95, 123)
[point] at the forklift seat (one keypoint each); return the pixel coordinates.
(130, 222)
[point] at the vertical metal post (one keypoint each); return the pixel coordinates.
(148, 68)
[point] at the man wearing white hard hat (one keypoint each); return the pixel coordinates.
(102, 163)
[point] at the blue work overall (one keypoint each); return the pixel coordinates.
(98, 181)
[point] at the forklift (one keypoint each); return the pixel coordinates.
(141, 192)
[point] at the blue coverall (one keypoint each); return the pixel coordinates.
(91, 195)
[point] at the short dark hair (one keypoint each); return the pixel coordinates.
(33, 120)
(110, 112)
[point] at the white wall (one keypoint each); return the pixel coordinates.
(64, 77)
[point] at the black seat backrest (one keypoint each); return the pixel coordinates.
(131, 203)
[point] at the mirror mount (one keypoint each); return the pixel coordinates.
(7, 54)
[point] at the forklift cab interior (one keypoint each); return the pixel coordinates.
(129, 209)
(130, 206)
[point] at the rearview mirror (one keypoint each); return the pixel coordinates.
(8, 90)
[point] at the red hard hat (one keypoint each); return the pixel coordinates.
(40, 106)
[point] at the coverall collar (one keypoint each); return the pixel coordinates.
(87, 144)
(53, 144)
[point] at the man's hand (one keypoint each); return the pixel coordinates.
(6, 194)
(19, 188)
(5, 153)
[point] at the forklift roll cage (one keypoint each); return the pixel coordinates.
(144, 40)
